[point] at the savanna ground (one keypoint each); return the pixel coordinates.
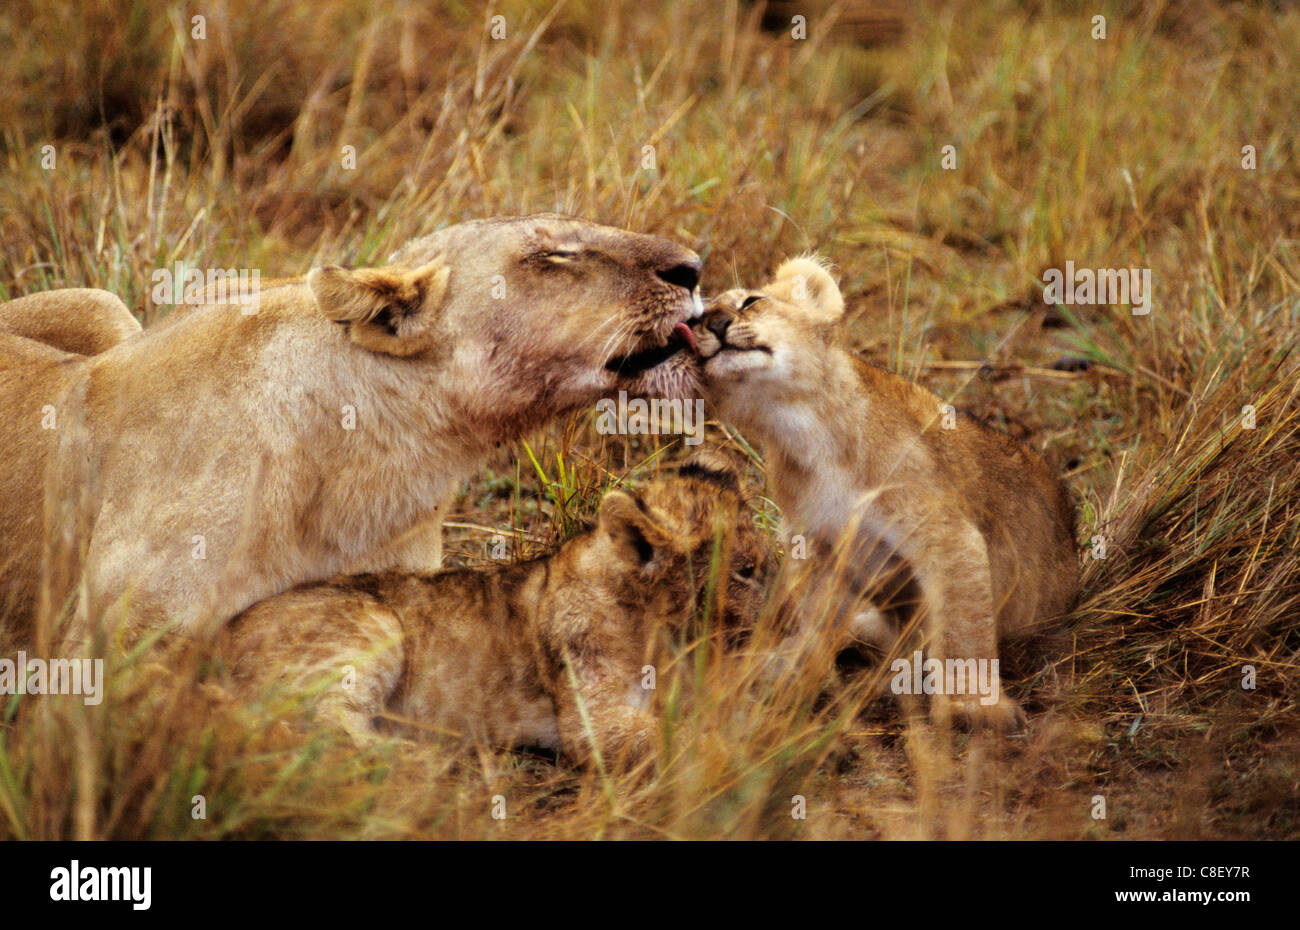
(1127, 151)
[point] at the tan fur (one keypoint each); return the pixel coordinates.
(80, 320)
(225, 435)
(972, 521)
(548, 653)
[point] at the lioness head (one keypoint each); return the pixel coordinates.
(762, 336)
(540, 311)
(656, 551)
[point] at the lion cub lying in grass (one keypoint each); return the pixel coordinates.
(549, 652)
(887, 481)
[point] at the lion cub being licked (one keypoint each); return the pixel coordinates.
(540, 653)
(979, 526)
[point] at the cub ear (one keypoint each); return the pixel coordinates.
(634, 532)
(716, 465)
(393, 310)
(807, 281)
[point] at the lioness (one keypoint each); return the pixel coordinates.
(218, 458)
(549, 652)
(885, 478)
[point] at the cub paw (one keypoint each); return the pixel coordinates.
(1005, 715)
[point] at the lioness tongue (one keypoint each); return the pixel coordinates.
(685, 332)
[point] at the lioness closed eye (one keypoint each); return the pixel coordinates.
(885, 479)
(545, 653)
(217, 458)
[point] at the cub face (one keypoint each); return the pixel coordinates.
(653, 552)
(764, 336)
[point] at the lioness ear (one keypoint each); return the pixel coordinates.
(807, 281)
(632, 530)
(393, 310)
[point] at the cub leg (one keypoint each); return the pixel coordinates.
(950, 561)
(343, 656)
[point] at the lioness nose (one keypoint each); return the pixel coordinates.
(717, 324)
(684, 274)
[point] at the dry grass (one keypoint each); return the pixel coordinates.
(1117, 153)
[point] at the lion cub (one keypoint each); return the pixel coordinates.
(549, 652)
(888, 481)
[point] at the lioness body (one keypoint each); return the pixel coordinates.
(547, 653)
(218, 458)
(882, 474)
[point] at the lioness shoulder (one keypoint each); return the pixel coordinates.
(78, 320)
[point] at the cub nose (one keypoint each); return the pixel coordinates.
(717, 324)
(683, 274)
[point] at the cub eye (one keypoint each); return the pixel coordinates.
(752, 298)
(746, 571)
(558, 255)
